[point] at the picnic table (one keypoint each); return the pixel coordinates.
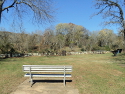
(115, 52)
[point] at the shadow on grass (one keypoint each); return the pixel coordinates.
(3, 59)
(120, 59)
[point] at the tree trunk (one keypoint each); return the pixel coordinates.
(124, 41)
(1, 4)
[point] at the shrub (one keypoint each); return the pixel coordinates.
(82, 49)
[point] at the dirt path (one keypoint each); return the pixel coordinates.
(45, 88)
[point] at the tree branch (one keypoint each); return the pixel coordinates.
(1, 5)
(41, 9)
(110, 4)
(12, 5)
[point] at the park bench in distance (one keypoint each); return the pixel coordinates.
(47, 71)
(115, 52)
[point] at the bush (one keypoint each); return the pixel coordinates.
(107, 48)
(82, 49)
(80, 46)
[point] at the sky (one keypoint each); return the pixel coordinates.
(78, 12)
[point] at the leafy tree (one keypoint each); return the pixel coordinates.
(61, 34)
(106, 38)
(71, 35)
(80, 35)
(93, 40)
(49, 43)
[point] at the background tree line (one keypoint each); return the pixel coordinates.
(65, 34)
(54, 40)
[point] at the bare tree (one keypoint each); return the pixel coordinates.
(41, 10)
(112, 9)
(5, 42)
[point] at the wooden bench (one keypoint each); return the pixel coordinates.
(47, 71)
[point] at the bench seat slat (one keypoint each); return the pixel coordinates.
(47, 66)
(47, 75)
(46, 71)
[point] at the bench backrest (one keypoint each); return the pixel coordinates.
(47, 68)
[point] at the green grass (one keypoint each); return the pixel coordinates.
(92, 74)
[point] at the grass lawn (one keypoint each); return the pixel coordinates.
(92, 73)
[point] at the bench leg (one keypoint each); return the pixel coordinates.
(31, 82)
(64, 81)
(64, 77)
